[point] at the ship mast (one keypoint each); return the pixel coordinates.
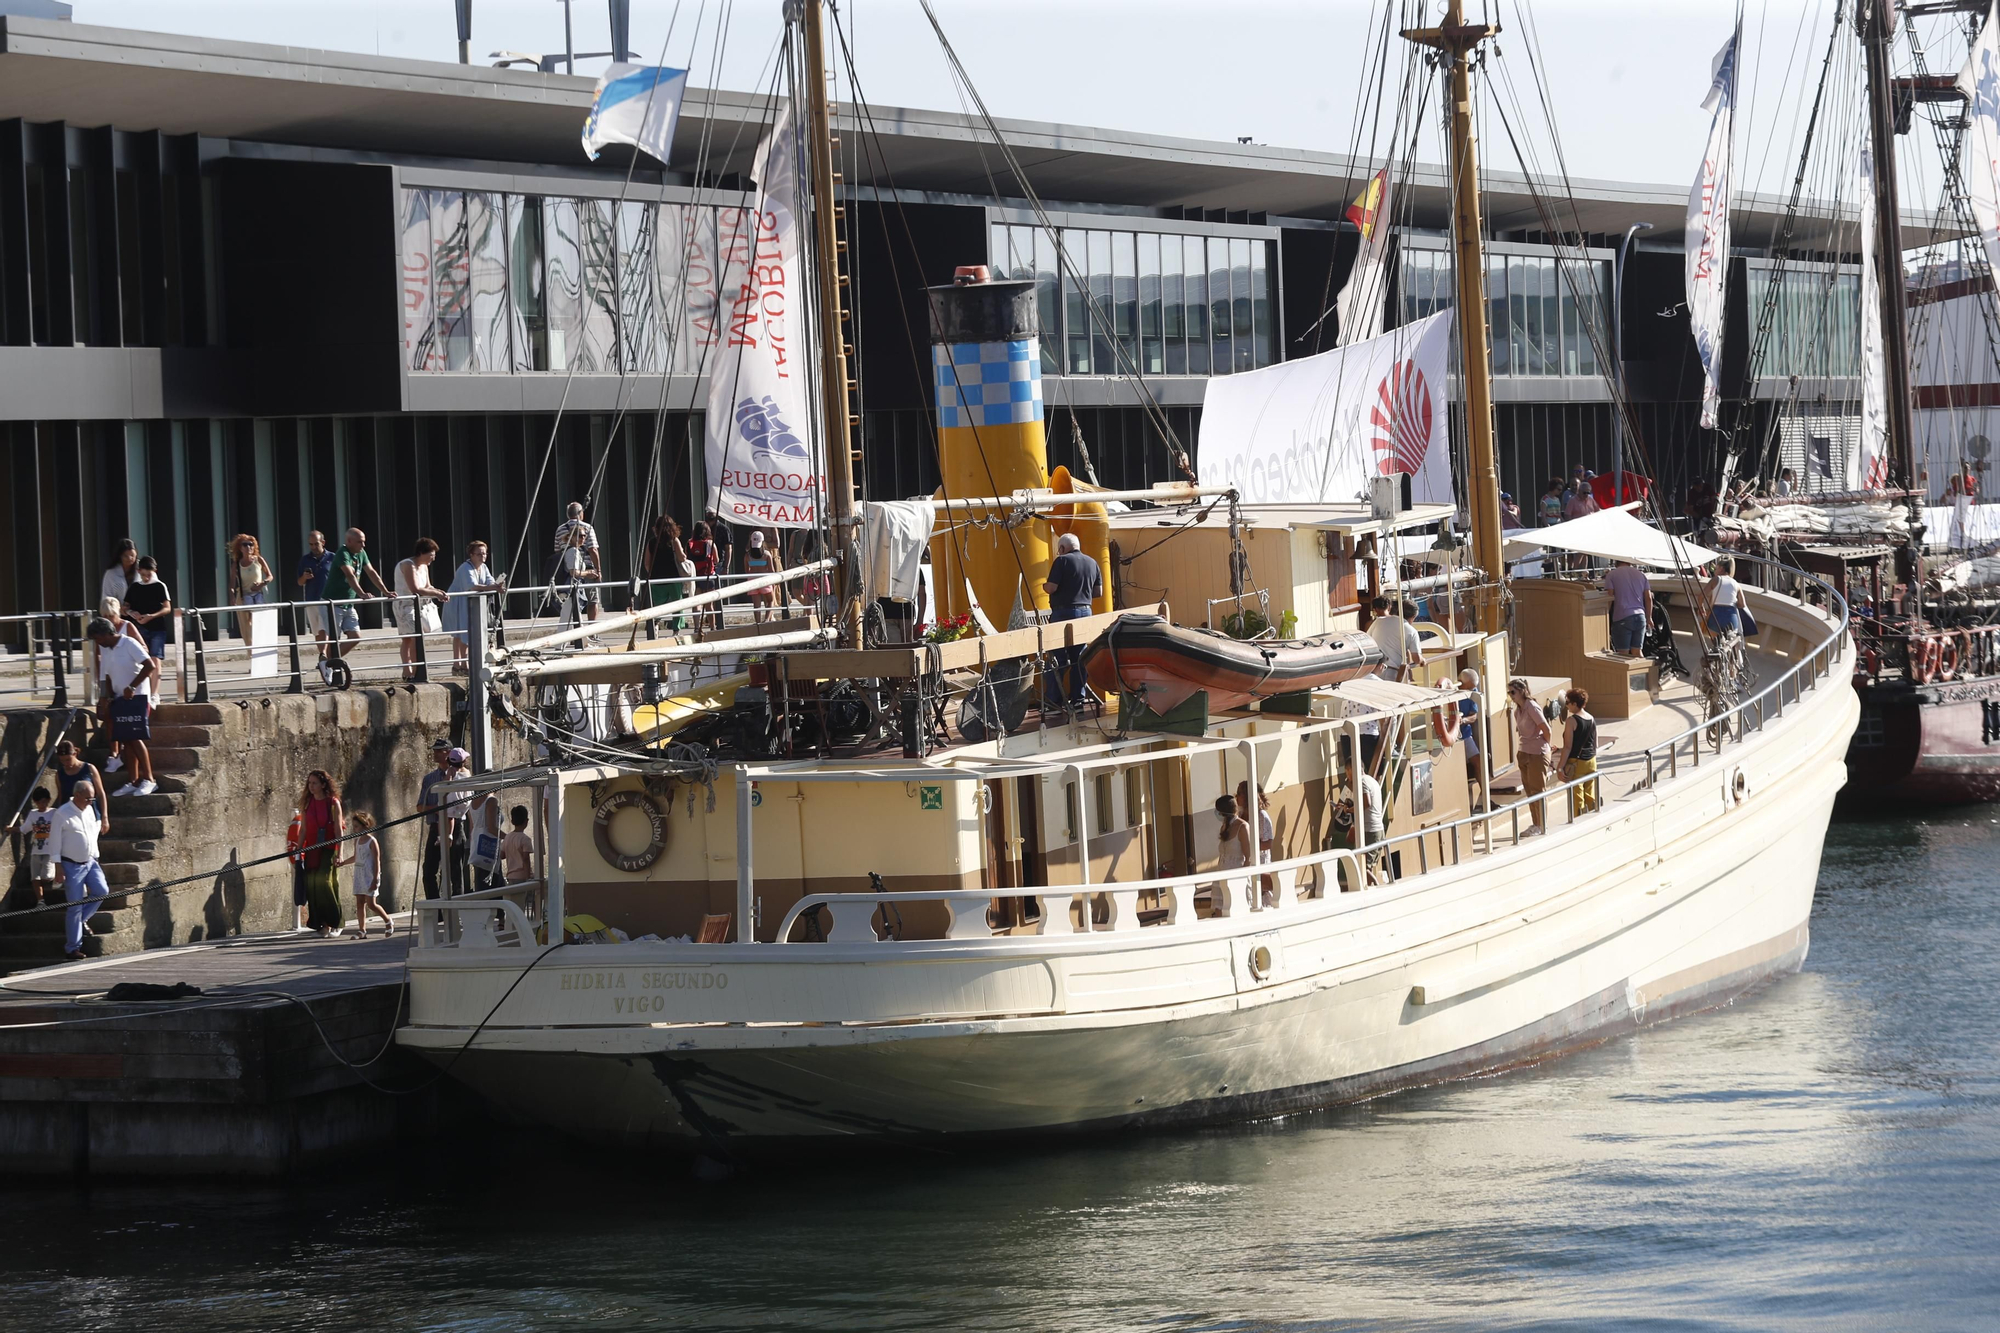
(1877, 31)
(836, 389)
(1456, 39)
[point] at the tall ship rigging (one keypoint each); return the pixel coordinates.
(835, 885)
(1889, 502)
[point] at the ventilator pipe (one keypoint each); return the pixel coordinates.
(1089, 522)
(630, 619)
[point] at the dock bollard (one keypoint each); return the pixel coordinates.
(297, 684)
(200, 659)
(61, 684)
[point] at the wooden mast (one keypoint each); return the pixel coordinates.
(836, 389)
(1456, 39)
(1876, 34)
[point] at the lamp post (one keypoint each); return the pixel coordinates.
(1618, 360)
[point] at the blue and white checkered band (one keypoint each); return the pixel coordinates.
(988, 384)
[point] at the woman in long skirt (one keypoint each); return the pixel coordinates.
(319, 841)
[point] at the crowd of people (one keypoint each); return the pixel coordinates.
(331, 580)
(467, 845)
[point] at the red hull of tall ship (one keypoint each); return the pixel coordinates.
(1935, 744)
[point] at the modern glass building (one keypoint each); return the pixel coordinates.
(257, 289)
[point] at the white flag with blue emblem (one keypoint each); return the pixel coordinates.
(638, 105)
(1708, 231)
(1980, 82)
(762, 467)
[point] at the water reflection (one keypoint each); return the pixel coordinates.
(1821, 1153)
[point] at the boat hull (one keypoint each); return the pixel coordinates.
(1068, 1082)
(1925, 744)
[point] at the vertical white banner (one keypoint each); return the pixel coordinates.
(1980, 157)
(1708, 230)
(1868, 464)
(762, 467)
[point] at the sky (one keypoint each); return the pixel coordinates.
(1628, 76)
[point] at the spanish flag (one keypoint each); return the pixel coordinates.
(1363, 296)
(1367, 205)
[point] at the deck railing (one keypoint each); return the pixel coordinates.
(1577, 799)
(1300, 881)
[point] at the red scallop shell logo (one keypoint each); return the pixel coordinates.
(1402, 420)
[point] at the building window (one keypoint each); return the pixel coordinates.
(1144, 301)
(1816, 322)
(1534, 320)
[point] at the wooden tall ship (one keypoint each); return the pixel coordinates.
(857, 893)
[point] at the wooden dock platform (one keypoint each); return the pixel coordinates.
(237, 1080)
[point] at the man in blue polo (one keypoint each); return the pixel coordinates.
(1074, 582)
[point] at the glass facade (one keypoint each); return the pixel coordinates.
(1162, 303)
(514, 284)
(1816, 328)
(1537, 325)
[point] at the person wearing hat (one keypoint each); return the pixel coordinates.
(450, 763)
(761, 559)
(1510, 513)
(127, 671)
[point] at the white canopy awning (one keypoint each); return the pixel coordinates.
(1367, 697)
(1615, 535)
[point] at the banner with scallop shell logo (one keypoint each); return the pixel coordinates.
(1316, 429)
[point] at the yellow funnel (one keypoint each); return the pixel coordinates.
(986, 355)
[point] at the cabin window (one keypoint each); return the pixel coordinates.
(1103, 817)
(1072, 812)
(1135, 797)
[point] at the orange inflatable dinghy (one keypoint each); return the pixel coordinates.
(1142, 654)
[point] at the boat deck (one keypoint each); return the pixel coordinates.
(1623, 742)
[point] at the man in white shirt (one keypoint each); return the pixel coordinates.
(1401, 649)
(127, 673)
(73, 845)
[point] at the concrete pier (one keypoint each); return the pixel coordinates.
(235, 1081)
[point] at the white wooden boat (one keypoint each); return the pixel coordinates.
(1692, 885)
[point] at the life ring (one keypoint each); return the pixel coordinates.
(600, 830)
(1950, 655)
(1923, 660)
(1438, 729)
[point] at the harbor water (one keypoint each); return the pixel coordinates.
(1823, 1154)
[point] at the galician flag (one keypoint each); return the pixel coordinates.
(1980, 82)
(1361, 300)
(1708, 230)
(638, 105)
